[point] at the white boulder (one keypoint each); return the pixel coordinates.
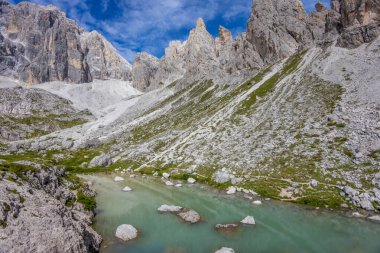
(191, 180)
(249, 220)
(231, 190)
(225, 250)
(169, 183)
(169, 208)
(126, 232)
(166, 175)
(118, 179)
(127, 189)
(178, 185)
(257, 202)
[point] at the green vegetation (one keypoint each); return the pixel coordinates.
(335, 124)
(20, 170)
(36, 123)
(88, 202)
(321, 199)
(268, 86)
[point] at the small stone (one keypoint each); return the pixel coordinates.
(375, 218)
(118, 179)
(357, 214)
(169, 183)
(127, 189)
(132, 176)
(191, 180)
(231, 190)
(314, 183)
(249, 220)
(155, 174)
(225, 250)
(169, 208)
(178, 185)
(257, 202)
(126, 232)
(166, 175)
(226, 226)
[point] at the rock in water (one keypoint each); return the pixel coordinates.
(126, 232)
(191, 180)
(127, 189)
(190, 216)
(249, 220)
(257, 202)
(231, 190)
(169, 208)
(169, 183)
(166, 175)
(225, 250)
(375, 218)
(118, 179)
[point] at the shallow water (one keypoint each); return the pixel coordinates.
(279, 227)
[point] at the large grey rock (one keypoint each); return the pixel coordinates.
(126, 232)
(101, 161)
(39, 44)
(37, 220)
(190, 216)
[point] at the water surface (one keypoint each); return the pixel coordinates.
(280, 227)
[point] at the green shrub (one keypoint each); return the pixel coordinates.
(88, 202)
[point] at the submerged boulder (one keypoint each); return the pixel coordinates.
(126, 232)
(190, 216)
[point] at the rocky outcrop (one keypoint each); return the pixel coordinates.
(126, 232)
(359, 20)
(39, 44)
(144, 70)
(103, 60)
(26, 113)
(278, 28)
(35, 215)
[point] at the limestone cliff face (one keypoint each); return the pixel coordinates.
(39, 44)
(360, 21)
(278, 28)
(144, 68)
(199, 57)
(103, 59)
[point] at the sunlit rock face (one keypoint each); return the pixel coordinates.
(40, 44)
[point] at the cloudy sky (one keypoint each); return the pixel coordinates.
(148, 25)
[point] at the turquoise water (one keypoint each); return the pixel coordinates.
(279, 227)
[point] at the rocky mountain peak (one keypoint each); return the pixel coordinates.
(225, 35)
(40, 44)
(200, 24)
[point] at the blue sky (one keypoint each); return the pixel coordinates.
(148, 25)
